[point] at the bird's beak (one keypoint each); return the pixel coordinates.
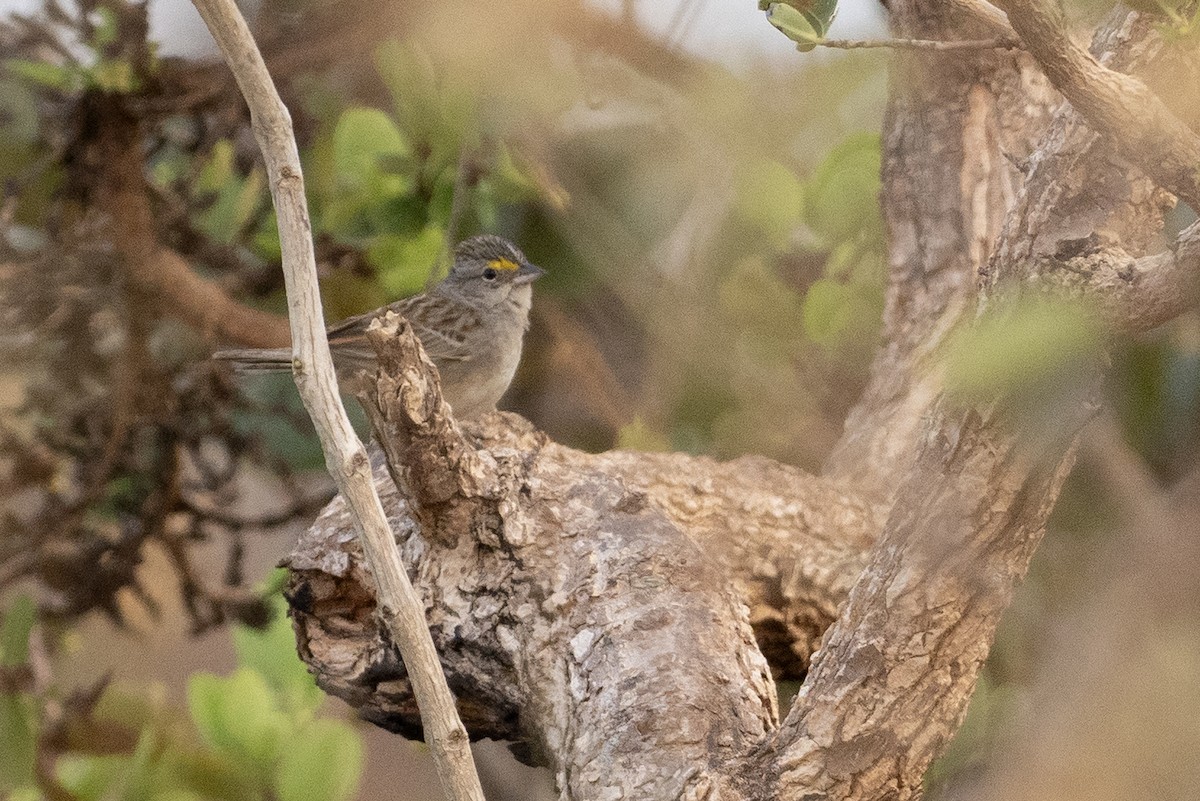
(527, 274)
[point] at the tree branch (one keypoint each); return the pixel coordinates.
(1116, 105)
(895, 673)
(427, 455)
(999, 43)
(575, 589)
(1085, 219)
(591, 609)
(1135, 294)
(399, 605)
(992, 110)
(155, 271)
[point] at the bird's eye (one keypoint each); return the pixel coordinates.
(489, 274)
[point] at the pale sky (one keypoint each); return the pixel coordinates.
(734, 30)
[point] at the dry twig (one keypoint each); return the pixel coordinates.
(399, 605)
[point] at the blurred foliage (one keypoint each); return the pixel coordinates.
(1156, 390)
(717, 267)
(715, 283)
(97, 65)
(255, 734)
(1030, 352)
(18, 747)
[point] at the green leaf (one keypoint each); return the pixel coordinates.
(187, 773)
(818, 13)
(842, 197)
(322, 762)
(238, 715)
(237, 202)
(237, 199)
(218, 169)
(43, 73)
(794, 25)
(366, 146)
(404, 215)
(139, 779)
(827, 311)
(272, 653)
(18, 742)
(15, 631)
(178, 794)
(106, 28)
(1031, 347)
(90, 777)
(403, 263)
(771, 199)
(110, 75)
(129, 778)
(767, 309)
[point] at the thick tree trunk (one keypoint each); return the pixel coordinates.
(622, 613)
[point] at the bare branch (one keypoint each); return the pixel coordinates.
(1116, 105)
(604, 610)
(999, 43)
(894, 674)
(158, 272)
(993, 109)
(401, 608)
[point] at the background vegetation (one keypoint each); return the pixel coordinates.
(716, 264)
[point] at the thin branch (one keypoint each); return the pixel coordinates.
(1116, 105)
(998, 43)
(401, 608)
(18, 566)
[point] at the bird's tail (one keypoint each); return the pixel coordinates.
(257, 360)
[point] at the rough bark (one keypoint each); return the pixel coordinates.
(801, 541)
(617, 611)
(958, 128)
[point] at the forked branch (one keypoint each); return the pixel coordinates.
(1118, 106)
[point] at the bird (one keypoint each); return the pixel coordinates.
(471, 324)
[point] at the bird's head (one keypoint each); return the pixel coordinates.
(489, 269)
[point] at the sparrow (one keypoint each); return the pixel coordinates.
(471, 324)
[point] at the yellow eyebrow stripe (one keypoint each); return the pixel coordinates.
(502, 264)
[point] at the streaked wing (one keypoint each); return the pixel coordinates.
(440, 326)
